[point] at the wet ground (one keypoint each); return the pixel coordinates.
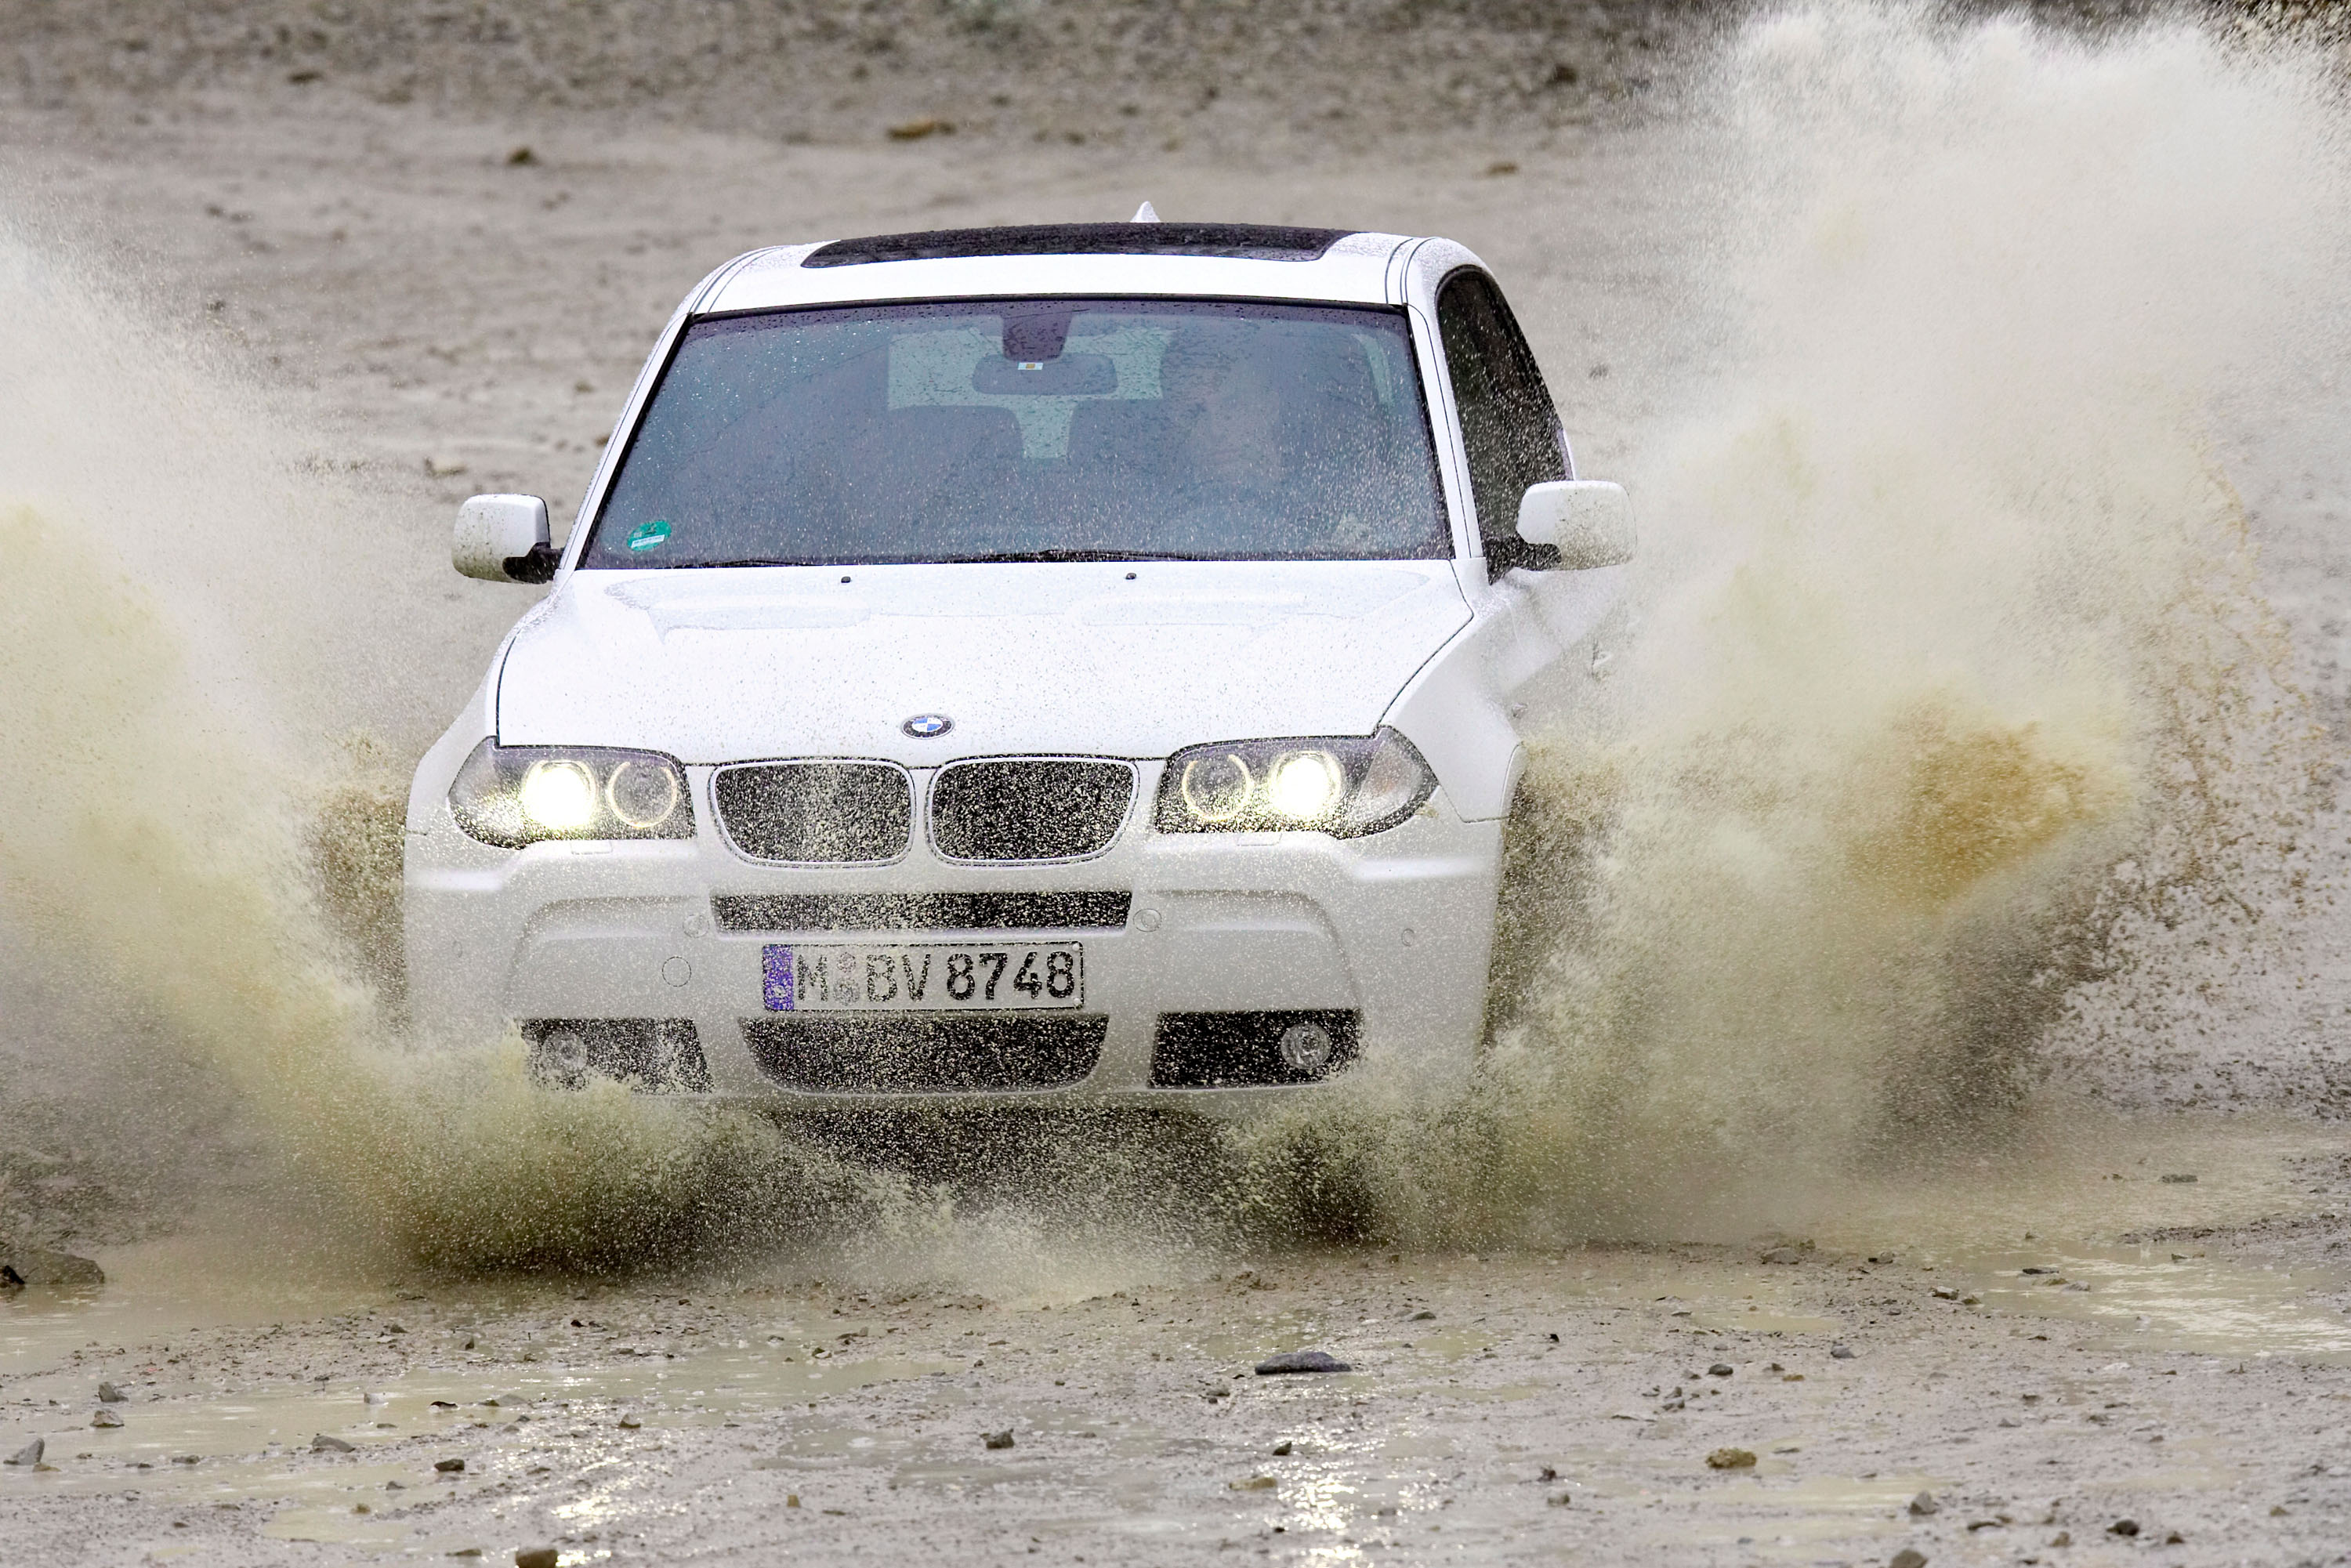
(2046, 1338)
(2104, 1342)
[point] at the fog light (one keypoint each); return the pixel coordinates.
(561, 1057)
(1305, 1047)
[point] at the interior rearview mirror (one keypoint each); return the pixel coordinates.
(1588, 521)
(503, 538)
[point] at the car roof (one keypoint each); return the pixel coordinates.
(1249, 261)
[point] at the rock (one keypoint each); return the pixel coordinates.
(2079, 1285)
(915, 129)
(2178, 1178)
(523, 158)
(629, 1424)
(323, 1444)
(1945, 1293)
(1281, 1450)
(1422, 1316)
(537, 1557)
(1840, 1352)
(29, 1454)
(2036, 1268)
(58, 1271)
(109, 1394)
(1784, 1255)
(1908, 1557)
(2126, 1528)
(999, 1439)
(105, 1418)
(1924, 1504)
(1881, 1257)
(1720, 1369)
(1731, 1460)
(1300, 1361)
(1559, 1499)
(1254, 1483)
(449, 1467)
(2175, 1539)
(2063, 1537)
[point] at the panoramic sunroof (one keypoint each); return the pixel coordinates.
(1245, 242)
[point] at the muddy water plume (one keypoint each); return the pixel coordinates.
(1954, 700)
(1951, 702)
(172, 867)
(165, 812)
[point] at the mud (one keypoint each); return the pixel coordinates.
(1512, 1407)
(1950, 861)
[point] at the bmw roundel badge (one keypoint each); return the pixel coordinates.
(927, 725)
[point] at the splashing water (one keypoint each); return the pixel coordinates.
(1955, 702)
(168, 858)
(1956, 693)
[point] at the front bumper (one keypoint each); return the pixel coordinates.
(1393, 931)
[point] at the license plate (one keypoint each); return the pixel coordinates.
(927, 977)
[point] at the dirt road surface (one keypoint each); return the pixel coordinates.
(2112, 1329)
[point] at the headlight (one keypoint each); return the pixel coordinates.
(1347, 786)
(515, 795)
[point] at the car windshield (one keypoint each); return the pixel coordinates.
(1030, 430)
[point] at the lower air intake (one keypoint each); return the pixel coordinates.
(920, 1053)
(1250, 1050)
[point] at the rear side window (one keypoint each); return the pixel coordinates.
(1509, 428)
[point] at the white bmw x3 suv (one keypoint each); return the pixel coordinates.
(1080, 663)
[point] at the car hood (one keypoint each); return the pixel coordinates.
(1111, 659)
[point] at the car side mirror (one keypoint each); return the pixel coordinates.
(1588, 521)
(503, 538)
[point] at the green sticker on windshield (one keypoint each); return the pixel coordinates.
(650, 536)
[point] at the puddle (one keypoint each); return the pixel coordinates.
(2146, 1297)
(198, 1441)
(2066, 1200)
(165, 1428)
(1796, 1519)
(159, 1289)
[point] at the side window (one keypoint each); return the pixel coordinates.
(1509, 428)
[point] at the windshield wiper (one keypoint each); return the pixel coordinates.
(1020, 555)
(750, 560)
(1000, 558)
